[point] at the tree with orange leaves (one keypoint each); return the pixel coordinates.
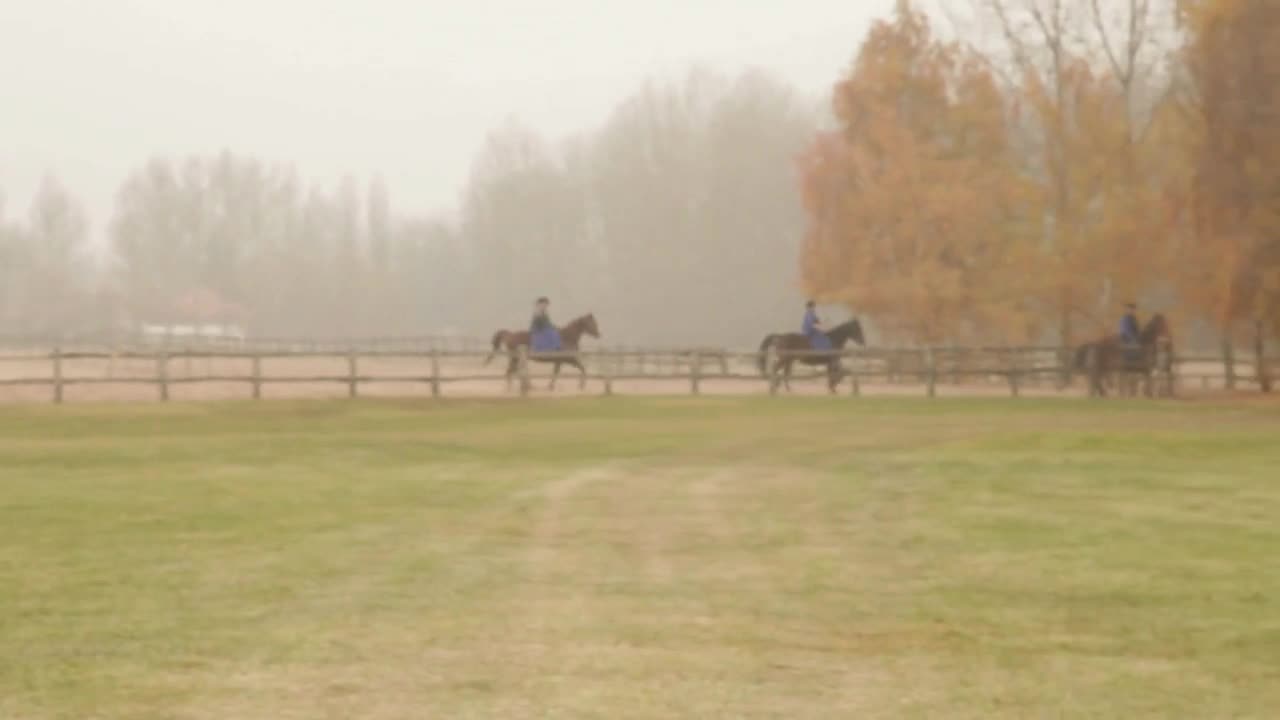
(913, 203)
(1085, 73)
(1232, 146)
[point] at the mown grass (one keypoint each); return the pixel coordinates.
(645, 558)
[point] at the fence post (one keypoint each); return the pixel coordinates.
(524, 370)
(931, 378)
(352, 377)
(257, 376)
(607, 368)
(57, 375)
(695, 374)
(1229, 364)
(162, 374)
(1261, 372)
(1095, 371)
(435, 372)
(855, 377)
(1013, 373)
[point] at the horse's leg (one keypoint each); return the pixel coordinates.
(582, 373)
(786, 374)
(833, 375)
(775, 370)
(555, 373)
(512, 365)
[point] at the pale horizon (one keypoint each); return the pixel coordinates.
(401, 90)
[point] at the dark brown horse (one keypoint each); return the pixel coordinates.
(1110, 357)
(795, 347)
(513, 340)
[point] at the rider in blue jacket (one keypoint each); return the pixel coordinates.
(812, 328)
(1130, 334)
(543, 335)
(1129, 331)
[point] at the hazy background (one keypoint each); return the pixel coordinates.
(337, 168)
(405, 88)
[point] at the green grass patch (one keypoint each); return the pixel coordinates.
(640, 558)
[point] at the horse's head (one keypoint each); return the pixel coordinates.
(1157, 328)
(582, 325)
(846, 331)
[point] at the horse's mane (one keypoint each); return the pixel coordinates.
(851, 329)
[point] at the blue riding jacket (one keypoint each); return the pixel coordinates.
(1129, 331)
(818, 339)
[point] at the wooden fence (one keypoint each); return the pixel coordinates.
(931, 370)
(178, 344)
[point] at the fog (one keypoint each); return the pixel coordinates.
(446, 162)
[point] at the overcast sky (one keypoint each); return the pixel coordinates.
(405, 88)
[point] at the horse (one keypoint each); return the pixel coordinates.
(570, 334)
(792, 347)
(1102, 358)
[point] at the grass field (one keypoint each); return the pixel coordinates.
(640, 558)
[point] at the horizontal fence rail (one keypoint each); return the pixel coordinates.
(178, 343)
(418, 365)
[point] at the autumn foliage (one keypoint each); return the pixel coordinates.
(1232, 137)
(921, 125)
(1025, 192)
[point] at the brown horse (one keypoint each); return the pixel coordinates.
(795, 347)
(513, 340)
(1109, 356)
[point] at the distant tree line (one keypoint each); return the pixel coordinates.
(675, 222)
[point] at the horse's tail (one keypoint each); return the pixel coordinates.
(498, 338)
(762, 358)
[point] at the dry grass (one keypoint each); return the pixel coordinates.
(639, 558)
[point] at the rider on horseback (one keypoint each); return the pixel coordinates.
(543, 335)
(812, 328)
(1130, 335)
